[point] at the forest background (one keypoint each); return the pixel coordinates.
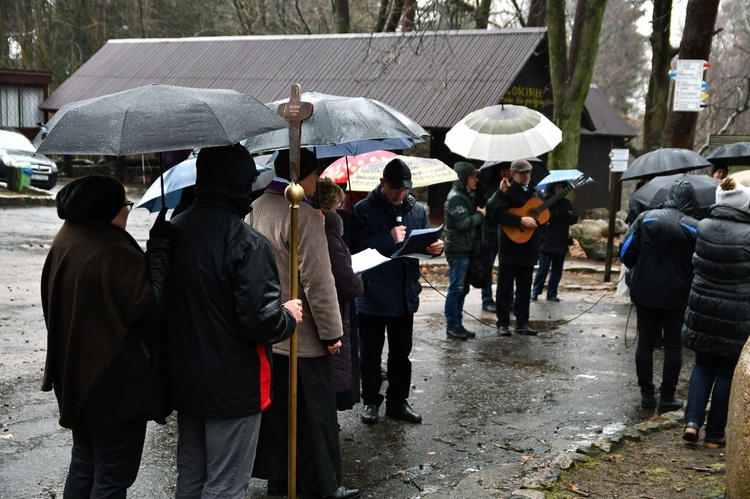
(625, 47)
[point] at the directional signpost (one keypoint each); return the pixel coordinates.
(688, 86)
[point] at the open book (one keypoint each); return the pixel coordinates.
(416, 242)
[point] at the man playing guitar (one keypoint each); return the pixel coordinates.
(517, 260)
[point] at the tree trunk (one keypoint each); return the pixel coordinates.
(537, 14)
(382, 15)
(393, 20)
(410, 14)
(657, 97)
(700, 19)
(341, 8)
(482, 16)
(570, 88)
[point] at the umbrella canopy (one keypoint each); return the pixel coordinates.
(561, 176)
(340, 169)
(666, 161)
(503, 133)
(338, 120)
(424, 172)
(182, 175)
(156, 118)
(654, 193)
(730, 154)
(359, 147)
(489, 172)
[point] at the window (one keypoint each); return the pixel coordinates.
(19, 106)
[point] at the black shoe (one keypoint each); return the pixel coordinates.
(403, 412)
(554, 299)
(369, 414)
(344, 493)
(525, 329)
(469, 334)
(503, 331)
(533, 297)
(691, 432)
(669, 405)
(456, 333)
(489, 307)
(648, 402)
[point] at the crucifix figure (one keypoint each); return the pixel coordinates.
(294, 112)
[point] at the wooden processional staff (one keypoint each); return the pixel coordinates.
(294, 112)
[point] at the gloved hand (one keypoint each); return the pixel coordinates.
(162, 229)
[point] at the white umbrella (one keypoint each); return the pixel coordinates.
(503, 133)
(424, 172)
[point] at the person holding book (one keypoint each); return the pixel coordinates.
(391, 292)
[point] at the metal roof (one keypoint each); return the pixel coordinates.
(435, 78)
(605, 118)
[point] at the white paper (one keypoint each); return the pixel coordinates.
(367, 259)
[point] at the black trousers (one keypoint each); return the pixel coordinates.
(506, 276)
(104, 465)
(650, 322)
(372, 330)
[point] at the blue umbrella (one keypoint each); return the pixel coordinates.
(182, 175)
(561, 176)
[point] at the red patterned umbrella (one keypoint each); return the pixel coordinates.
(340, 169)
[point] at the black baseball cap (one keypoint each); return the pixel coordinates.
(397, 174)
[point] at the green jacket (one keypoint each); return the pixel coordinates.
(461, 215)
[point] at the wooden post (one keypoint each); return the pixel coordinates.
(294, 112)
(614, 206)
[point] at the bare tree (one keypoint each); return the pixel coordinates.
(571, 71)
(700, 19)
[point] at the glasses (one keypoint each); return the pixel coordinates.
(128, 205)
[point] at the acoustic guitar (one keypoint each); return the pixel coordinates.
(539, 211)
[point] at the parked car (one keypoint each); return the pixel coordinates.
(17, 150)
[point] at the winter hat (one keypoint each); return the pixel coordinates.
(732, 193)
(397, 174)
(307, 159)
(93, 197)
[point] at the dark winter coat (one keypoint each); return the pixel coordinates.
(225, 310)
(348, 286)
(717, 320)
(391, 289)
(555, 235)
(658, 247)
(461, 215)
(512, 253)
(101, 311)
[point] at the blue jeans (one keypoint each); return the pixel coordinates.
(545, 261)
(712, 377)
(457, 291)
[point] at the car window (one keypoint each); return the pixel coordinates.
(13, 140)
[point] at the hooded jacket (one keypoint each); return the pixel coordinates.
(659, 248)
(717, 319)
(225, 307)
(391, 289)
(461, 215)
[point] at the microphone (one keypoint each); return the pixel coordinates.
(399, 219)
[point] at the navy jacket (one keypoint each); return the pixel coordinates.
(391, 289)
(659, 248)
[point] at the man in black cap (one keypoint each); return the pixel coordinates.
(517, 260)
(391, 295)
(225, 310)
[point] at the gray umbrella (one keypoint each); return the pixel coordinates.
(156, 118)
(340, 120)
(731, 154)
(666, 161)
(654, 193)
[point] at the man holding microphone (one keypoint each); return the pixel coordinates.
(391, 292)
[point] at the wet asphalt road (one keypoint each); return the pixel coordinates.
(488, 403)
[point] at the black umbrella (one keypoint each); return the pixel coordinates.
(731, 154)
(666, 161)
(156, 118)
(489, 172)
(654, 193)
(338, 120)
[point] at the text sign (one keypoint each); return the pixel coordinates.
(688, 85)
